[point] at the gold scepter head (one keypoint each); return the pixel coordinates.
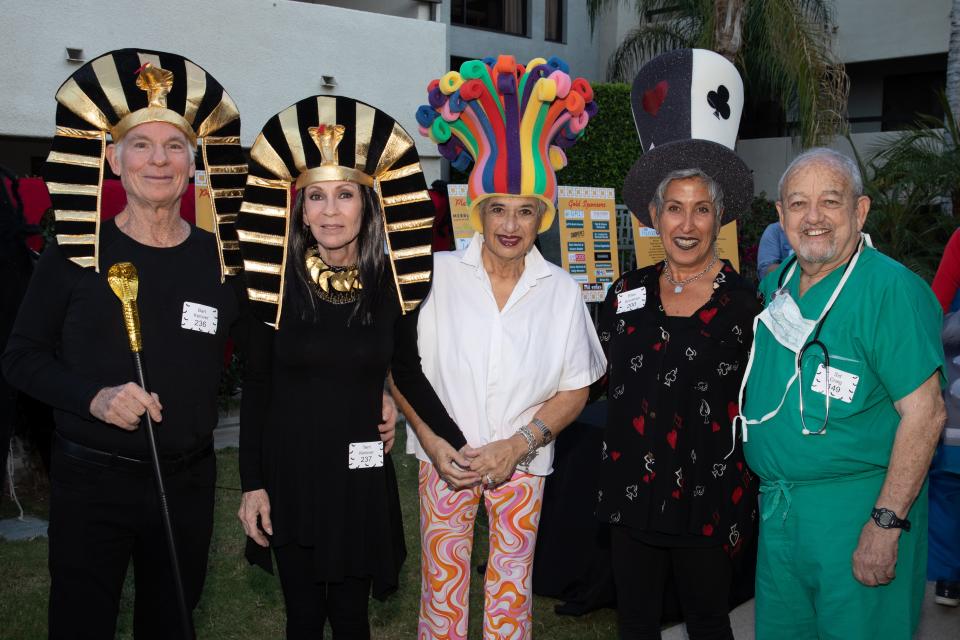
(123, 280)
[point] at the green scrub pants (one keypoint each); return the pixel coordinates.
(805, 584)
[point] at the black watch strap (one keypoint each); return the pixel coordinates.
(887, 519)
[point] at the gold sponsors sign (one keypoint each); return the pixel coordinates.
(588, 238)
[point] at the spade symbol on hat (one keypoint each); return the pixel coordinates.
(718, 100)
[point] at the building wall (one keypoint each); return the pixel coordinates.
(882, 29)
(269, 54)
(579, 49)
(400, 8)
(769, 157)
(877, 38)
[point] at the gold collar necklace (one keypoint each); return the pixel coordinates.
(337, 285)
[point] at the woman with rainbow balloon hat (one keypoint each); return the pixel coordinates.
(504, 337)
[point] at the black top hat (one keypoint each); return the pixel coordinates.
(687, 105)
(116, 92)
(333, 138)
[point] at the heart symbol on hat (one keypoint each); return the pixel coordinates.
(653, 98)
(638, 424)
(615, 455)
(718, 102)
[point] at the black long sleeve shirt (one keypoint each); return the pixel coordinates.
(69, 340)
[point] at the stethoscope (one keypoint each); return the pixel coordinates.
(816, 342)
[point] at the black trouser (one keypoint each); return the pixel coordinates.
(101, 515)
(310, 603)
(640, 571)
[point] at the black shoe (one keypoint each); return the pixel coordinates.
(948, 593)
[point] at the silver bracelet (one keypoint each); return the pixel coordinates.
(544, 431)
(531, 445)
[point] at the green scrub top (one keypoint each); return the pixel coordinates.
(884, 328)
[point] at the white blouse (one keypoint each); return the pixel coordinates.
(492, 368)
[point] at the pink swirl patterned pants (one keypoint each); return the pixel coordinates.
(446, 534)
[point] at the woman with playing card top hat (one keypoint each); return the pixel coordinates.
(504, 335)
(336, 313)
(674, 487)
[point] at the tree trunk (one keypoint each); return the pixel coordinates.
(953, 61)
(728, 27)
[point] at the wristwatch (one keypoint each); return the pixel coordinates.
(887, 519)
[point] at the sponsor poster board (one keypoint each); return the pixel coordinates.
(650, 250)
(459, 215)
(588, 238)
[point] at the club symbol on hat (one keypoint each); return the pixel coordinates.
(719, 101)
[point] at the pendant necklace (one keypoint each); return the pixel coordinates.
(678, 285)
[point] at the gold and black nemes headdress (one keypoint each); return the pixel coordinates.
(333, 138)
(107, 97)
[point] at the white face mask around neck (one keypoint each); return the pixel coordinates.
(788, 326)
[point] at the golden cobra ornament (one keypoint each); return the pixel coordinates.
(123, 279)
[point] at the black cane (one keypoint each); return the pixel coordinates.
(123, 280)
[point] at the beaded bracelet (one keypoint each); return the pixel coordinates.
(531, 445)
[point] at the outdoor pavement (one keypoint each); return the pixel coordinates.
(936, 622)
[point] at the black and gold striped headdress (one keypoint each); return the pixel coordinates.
(116, 92)
(333, 138)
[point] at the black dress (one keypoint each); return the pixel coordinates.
(311, 389)
(672, 389)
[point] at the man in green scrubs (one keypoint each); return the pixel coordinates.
(836, 558)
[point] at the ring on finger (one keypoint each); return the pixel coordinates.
(488, 479)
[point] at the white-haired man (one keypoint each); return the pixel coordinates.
(843, 412)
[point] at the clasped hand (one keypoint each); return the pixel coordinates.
(490, 465)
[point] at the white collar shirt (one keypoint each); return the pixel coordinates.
(493, 369)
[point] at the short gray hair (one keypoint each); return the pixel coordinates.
(713, 187)
(836, 160)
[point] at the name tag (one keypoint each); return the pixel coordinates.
(199, 317)
(842, 384)
(630, 300)
(365, 455)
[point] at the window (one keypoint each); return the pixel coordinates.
(907, 96)
(553, 14)
(508, 16)
(457, 61)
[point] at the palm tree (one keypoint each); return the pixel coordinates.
(782, 48)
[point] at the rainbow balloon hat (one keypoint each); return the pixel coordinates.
(512, 121)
